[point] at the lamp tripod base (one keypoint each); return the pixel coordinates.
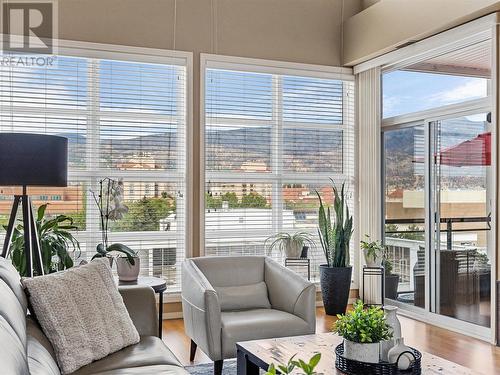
(32, 250)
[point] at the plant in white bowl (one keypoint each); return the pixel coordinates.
(373, 252)
(290, 244)
(363, 329)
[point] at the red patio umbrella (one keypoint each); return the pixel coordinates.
(475, 151)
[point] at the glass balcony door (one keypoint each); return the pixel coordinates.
(405, 214)
(461, 188)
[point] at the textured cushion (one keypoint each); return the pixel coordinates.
(81, 313)
(253, 296)
(258, 324)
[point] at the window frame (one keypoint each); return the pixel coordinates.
(213, 61)
(92, 171)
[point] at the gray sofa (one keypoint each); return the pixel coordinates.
(231, 299)
(26, 350)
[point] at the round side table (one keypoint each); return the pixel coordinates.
(159, 285)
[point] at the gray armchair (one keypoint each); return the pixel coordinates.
(239, 298)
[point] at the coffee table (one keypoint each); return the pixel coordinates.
(253, 355)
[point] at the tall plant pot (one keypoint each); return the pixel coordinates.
(335, 286)
(391, 286)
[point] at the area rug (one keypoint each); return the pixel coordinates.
(229, 368)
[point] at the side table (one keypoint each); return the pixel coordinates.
(159, 285)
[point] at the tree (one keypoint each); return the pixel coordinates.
(145, 214)
(212, 202)
(253, 200)
(231, 198)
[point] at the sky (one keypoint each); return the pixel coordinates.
(406, 92)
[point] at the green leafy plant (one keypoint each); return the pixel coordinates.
(387, 264)
(306, 367)
(282, 241)
(363, 325)
(374, 249)
(335, 234)
(56, 243)
(110, 204)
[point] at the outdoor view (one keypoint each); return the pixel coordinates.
(130, 126)
(272, 142)
(462, 162)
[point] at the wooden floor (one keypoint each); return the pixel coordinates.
(475, 354)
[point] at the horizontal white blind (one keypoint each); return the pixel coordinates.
(271, 141)
(123, 119)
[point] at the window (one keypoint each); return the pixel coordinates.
(272, 138)
(449, 78)
(125, 118)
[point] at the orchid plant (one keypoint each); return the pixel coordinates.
(111, 207)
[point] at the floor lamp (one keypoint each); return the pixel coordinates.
(30, 160)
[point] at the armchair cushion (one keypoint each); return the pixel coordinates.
(81, 313)
(253, 296)
(258, 324)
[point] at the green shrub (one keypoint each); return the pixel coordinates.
(363, 325)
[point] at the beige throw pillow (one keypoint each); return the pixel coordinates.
(82, 314)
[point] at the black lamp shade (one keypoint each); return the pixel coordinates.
(33, 159)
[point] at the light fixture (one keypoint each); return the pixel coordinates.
(30, 160)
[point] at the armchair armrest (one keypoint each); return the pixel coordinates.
(201, 310)
(291, 293)
(141, 305)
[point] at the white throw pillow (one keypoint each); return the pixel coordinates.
(82, 314)
(245, 297)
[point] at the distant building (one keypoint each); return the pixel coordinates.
(61, 199)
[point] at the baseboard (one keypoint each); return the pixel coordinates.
(172, 315)
(350, 301)
(178, 314)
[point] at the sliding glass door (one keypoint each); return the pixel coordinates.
(438, 188)
(461, 167)
(404, 155)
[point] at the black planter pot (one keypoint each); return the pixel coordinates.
(335, 287)
(391, 286)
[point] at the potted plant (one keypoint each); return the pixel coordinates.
(363, 329)
(335, 236)
(110, 204)
(306, 367)
(290, 244)
(391, 280)
(373, 252)
(56, 243)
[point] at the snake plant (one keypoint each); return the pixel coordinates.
(335, 233)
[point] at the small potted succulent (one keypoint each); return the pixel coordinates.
(111, 207)
(391, 280)
(373, 252)
(290, 244)
(363, 329)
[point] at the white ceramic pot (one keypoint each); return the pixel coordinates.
(293, 249)
(397, 355)
(392, 320)
(370, 261)
(369, 353)
(127, 271)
